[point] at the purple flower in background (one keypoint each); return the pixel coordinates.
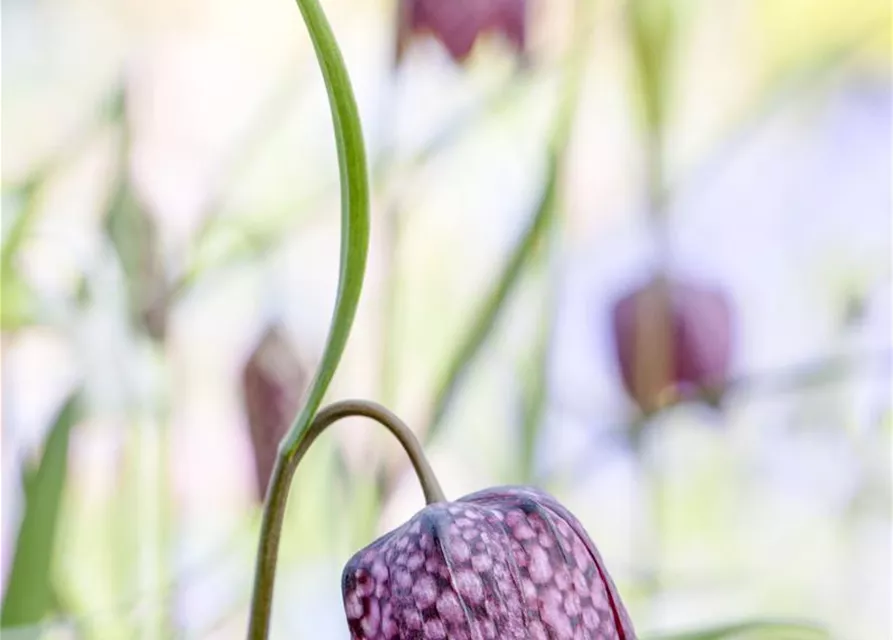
(273, 380)
(672, 339)
(458, 23)
(503, 563)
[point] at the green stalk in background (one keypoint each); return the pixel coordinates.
(144, 542)
(17, 304)
(525, 248)
(391, 232)
(16, 307)
(652, 27)
(257, 242)
(534, 399)
(652, 34)
(354, 248)
(30, 592)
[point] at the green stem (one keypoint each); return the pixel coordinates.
(354, 181)
(354, 211)
(280, 482)
(382, 169)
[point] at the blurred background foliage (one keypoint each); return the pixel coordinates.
(169, 262)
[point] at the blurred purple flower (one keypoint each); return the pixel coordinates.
(273, 381)
(672, 339)
(503, 563)
(458, 23)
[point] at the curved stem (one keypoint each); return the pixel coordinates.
(280, 482)
(354, 182)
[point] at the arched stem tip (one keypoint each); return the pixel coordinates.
(411, 445)
(280, 483)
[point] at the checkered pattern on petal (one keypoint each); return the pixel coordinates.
(506, 563)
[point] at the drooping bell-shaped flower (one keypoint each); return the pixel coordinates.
(501, 564)
(272, 383)
(672, 339)
(458, 23)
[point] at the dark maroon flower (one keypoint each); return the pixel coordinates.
(500, 564)
(273, 381)
(458, 23)
(672, 339)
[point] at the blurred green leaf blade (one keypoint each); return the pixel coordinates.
(489, 312)
(17, 301)
(29, 594)
(527, 246)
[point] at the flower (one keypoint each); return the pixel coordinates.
(458, 23)
(672, 339)
(503, 563)
(272, 381)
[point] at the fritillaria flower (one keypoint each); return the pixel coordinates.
(458, 23)
(503, 563)
(672, 339)
(272, 382)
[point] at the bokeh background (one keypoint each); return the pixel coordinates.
(170, 250)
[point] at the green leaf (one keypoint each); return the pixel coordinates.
(491, 308)
(17, 303)
(26, 196)
(354, 211)
(526, 246)
(762, 629)
(29, 595)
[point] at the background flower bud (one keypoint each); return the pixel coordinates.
(503, 563)
(672, 338)
(458, 23)
(273, 381)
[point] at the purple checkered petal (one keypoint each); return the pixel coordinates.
(504, 563)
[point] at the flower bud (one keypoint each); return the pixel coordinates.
(503, 563)
(672, 339)
(273, 380)
(458, 23)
